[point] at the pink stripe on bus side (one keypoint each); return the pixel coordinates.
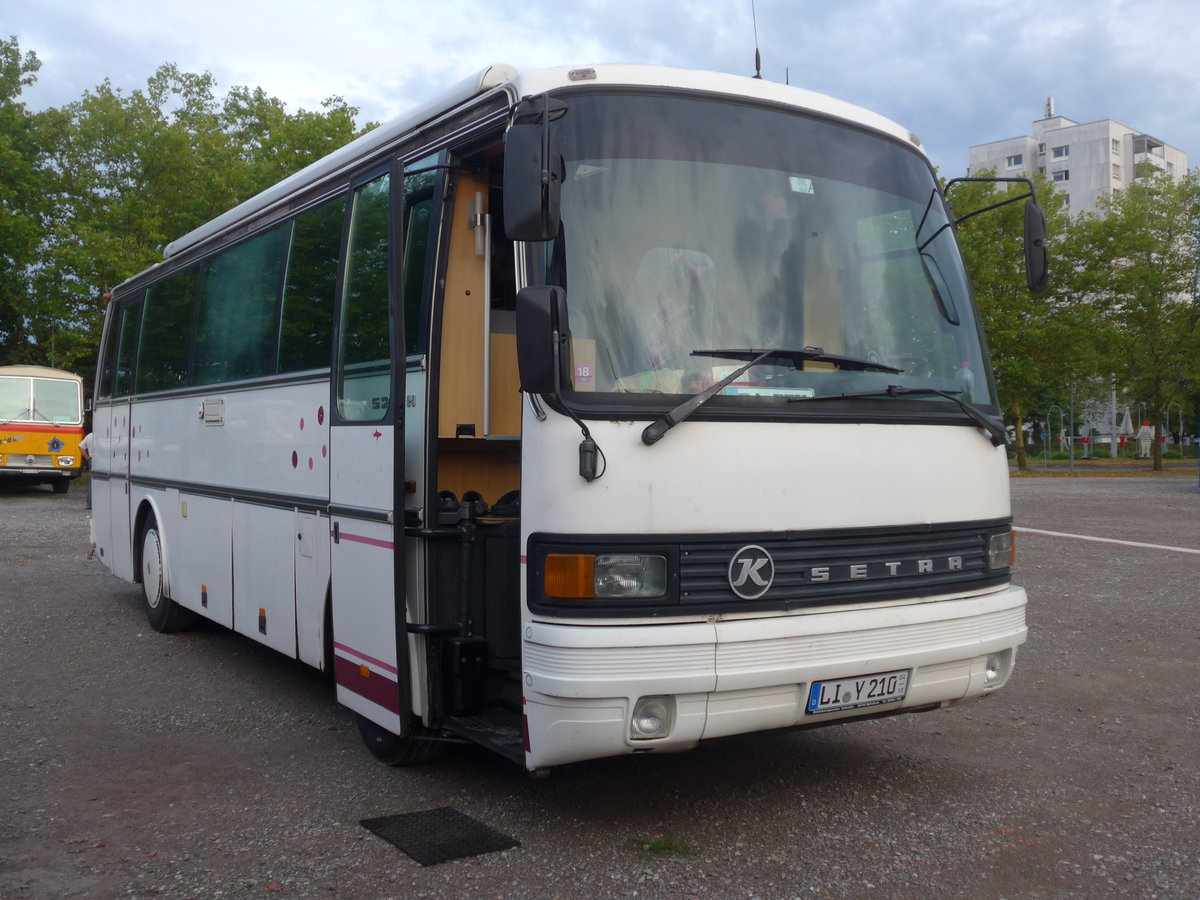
(360, 539)
(369, 659)
(379, 689)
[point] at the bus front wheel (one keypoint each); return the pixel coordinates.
(391, 749)
(163, 613)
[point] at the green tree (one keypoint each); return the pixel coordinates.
(1137, 266)
(22, 204)
(133, 171)
(1035, 340)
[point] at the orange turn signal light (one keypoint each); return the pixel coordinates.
(570, 576)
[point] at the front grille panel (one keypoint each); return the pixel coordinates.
(27, 460)
(844, 568)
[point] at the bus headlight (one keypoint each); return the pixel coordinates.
(631, 576)
(1001, 551)
(611, 576)
(66, 461)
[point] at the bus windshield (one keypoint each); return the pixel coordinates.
(698, 232)
(26, 399)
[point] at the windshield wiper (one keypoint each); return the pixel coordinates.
(799, 357)
(994, 429)
(35, 413)
(17, 418)
(653, 432)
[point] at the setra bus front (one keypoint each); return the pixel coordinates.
(764, 482)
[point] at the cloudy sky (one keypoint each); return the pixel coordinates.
(955, 72)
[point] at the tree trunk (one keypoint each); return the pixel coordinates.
(1022, 456)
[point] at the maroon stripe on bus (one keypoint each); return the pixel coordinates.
(376, 687)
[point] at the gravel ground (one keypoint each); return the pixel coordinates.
(202, 765)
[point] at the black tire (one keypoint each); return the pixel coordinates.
(163, 613)
(60, 485)
(393, 750)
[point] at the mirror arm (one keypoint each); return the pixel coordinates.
(1025, 181)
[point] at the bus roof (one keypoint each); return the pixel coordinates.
(506, 77)
(38, 372)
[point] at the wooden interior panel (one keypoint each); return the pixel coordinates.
(505, 388)
(461, 376)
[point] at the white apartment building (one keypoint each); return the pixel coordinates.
(1085, 161)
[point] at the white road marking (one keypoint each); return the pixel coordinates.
(1100, 540)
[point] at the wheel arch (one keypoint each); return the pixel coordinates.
(148, 510)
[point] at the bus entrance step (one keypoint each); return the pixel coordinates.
(497, 729)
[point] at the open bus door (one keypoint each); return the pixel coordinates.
(369, 641)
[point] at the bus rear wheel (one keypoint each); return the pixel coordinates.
(393, 750)
(163, 613)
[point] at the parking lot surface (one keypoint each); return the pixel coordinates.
(134, 764)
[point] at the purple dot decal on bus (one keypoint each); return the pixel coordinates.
(295, 459)
(324, 451)
(301, 423)
(310, 463)
(320, 415)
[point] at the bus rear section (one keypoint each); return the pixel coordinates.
(41, 425)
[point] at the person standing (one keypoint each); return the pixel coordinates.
(85, 449)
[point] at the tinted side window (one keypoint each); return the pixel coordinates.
(126, 342)
(310, 283)
(166, 323)
(418, 241)
(364, 358)
(235, 333)
(108, 354)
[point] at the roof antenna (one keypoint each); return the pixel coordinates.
(757, 55)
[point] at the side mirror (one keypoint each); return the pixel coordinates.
(533, 170)
(1037, 255)
(543, 342)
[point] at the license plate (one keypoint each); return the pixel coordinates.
(857, 692)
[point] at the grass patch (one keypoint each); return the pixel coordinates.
(662, 846)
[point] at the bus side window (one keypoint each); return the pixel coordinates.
(418, 243)
(126, 341)
(235, 333)
(364, 355)
(309, 286)
(108, 355)
(166, 316)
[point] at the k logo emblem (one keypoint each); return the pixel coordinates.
(751, 571)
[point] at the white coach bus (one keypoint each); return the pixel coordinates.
(582, 412)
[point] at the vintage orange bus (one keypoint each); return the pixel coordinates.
(41, 425)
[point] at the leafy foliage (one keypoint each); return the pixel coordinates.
(94, 191)
(22, 208)
(1137, 269)
(1034, 340)
(1122, 301)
